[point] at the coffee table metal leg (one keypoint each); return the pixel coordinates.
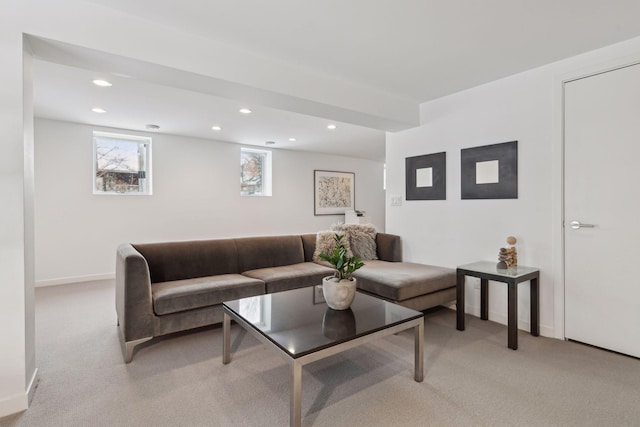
(419, 351)
(226, 338)
(295, 416)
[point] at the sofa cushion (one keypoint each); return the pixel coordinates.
(399, 281)
(186, 260)
(272, 251)
(389, 247)
(287, 277)
(309, 245)
(181, 295)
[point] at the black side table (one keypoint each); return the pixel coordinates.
(486, 271)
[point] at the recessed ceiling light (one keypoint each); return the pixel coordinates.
(270, 142)
(331, 126)
(152, 127)
(98, 110)
(245, 111)
(101, 83)
(216, 128)
(292, 139)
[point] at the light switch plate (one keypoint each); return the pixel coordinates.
(396, 200)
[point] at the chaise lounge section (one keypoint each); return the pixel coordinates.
(162, 288)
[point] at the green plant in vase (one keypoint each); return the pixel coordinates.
(339, 290)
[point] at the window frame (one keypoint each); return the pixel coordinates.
(148, 163)
(267, 172)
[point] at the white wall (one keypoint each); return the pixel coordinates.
(196, 195)
(524, 107)
(29, 228)
(17, 345)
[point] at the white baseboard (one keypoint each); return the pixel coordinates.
(19, 402)
(14, 404)
(31, 390)
(74, 279)
(524, 324)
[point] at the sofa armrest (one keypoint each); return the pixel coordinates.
(389, 247)
(134, 304)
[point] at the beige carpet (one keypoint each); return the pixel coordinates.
(471, 377)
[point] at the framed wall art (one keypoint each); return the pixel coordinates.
(490, 171)
(333, 192)
(426, 177)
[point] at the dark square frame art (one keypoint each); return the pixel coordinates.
(506, 185)
(437, 190)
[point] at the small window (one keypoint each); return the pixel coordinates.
(122, 164)
(255, 172)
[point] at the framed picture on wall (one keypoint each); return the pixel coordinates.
(426, 177)
(333, 192)
(490, 171)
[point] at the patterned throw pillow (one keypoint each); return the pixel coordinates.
(362, 239)
(325, 243)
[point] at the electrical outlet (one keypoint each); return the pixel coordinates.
(396, 200)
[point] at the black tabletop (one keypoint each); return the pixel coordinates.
(300, 323)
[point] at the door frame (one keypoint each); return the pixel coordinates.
(558, 170)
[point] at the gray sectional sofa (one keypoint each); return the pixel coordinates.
(163, 288)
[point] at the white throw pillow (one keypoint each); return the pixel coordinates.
(325, 243)
(362, 239)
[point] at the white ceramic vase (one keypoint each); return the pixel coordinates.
(338, 294)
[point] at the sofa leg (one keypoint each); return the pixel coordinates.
(130, 345)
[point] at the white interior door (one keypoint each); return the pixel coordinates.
(602, 188)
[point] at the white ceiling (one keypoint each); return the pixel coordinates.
(415, 50)
(67, 93)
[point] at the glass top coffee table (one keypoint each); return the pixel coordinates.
(299, 326)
